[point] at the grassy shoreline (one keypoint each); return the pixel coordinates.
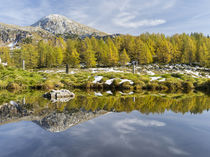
(16, 79)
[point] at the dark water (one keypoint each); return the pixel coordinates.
(147, 125)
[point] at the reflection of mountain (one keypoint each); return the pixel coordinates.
(49, 120)
(57, 122)
(13, 112)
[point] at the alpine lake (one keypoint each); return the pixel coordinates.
(105, 124)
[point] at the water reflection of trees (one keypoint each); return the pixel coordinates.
(144, 104)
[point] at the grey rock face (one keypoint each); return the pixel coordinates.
(58, 24)
(13, 34)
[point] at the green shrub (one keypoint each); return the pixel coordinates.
(52, 84)
(115, 84)
(1, 67)
(205, 86)
(13, 86)
(187, 86)
(125, 85)
(139, 84)
(2, 84)
(176, 75)
(152, 86)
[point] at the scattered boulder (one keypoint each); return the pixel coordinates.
(62, 95)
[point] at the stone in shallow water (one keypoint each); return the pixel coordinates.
(62, 95)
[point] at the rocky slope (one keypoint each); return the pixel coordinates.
(58, 24)
(10, 35)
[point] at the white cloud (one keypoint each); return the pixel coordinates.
(78, 15)
(169, 4)
(125, 125)
(177, 151)
(127, 20)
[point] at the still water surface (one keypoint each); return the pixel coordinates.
(148, 126)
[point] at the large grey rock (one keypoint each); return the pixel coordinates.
(62, 95)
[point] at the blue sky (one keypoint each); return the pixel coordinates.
(116, 16)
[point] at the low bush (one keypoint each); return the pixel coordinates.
(205, 86)
(125, 85)
(13, 86)
(139, 85)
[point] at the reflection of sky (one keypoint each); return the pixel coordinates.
(116, 134)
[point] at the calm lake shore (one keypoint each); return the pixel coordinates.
(167, 78)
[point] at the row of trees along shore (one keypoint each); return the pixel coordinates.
(92, 52)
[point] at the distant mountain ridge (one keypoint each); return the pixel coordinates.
(47, 27)
(11, 34)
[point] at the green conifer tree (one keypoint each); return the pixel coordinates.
(30, 55)
(164, 51)
(124, 58)
(58, 55)
(5, 55)
(50, 56)
(74, 59)
(42, 53)
(90, 59)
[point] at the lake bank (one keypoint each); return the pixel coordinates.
(16, 79)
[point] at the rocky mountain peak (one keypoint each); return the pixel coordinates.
(56, 17)
(59, 24)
